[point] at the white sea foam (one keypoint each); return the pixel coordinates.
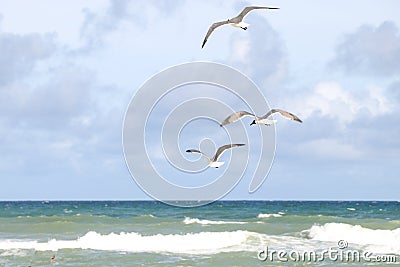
(144, 216)
(193, 243)
(148, 215)
(376, 241)
(203, 243)
(352, 209)
(268, 215)
(189, 220)
(14, 252)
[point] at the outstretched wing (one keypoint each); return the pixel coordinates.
(246, 10)
(197, 151)
(212, 28)
(223, 148)
(284, 113)
(235, 117)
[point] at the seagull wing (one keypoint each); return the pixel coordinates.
(235, 117)
(223, 148)
(283, 113)
(212, 28)
(197, 151)
(246, 10)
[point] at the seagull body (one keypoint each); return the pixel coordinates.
(242, 25)
(260, 121)
(236, 22)
(213, 162)
(264, 120)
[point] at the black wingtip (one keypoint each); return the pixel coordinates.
(188, 151)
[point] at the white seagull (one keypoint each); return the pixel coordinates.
(236, 21)
(213, 162)
(259, 120)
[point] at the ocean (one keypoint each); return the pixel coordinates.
(223, 233)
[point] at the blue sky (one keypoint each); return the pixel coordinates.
(68, 70)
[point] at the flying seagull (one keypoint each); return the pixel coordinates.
(236, 21)
(259, 120)
(213, 162)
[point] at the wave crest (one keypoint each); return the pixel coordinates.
(374, 240)
(189, 220)
(193, 243)
(268, 215)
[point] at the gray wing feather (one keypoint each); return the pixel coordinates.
(223, 148)
(197, 151)
(246, 10)
(283, 113)
(235, 117)
(212, 28)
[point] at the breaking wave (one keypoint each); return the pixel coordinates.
(375, 240)
(189, 220)
(193, 243)
(269, 215)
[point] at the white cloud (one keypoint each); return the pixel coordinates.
(329, 99)
(56, 119)
(328, 149)
(63, 96)
(240, 50)
(95, 24)
(20, 53)
(259, 52)
(370, 50)
(98, 24)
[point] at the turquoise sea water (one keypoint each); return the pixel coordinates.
(224, 233)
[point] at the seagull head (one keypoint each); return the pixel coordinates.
(253, 122)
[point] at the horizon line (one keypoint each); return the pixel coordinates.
(220, 200)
